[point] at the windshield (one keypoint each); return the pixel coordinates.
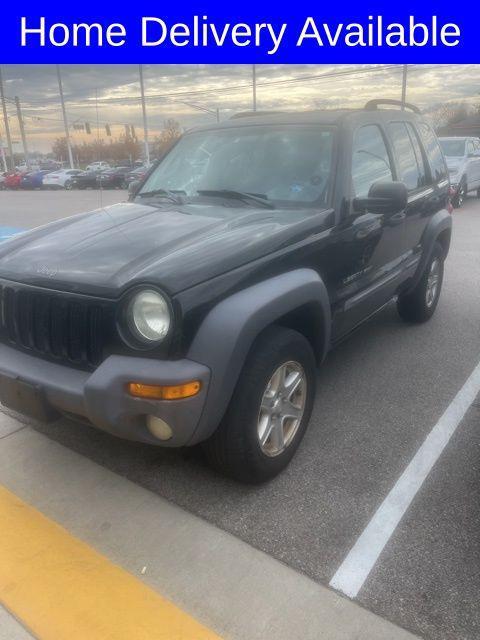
(453, 147)
(288, 164)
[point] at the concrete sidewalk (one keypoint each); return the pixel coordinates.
(237, 591)
(11, 629)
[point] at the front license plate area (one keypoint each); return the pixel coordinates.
(26, 398)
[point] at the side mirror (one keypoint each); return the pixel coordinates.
(383, 197)
(133, 188)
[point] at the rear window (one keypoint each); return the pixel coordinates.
(436, 160)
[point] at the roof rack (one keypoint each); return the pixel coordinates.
(252, 114)
(372, 105)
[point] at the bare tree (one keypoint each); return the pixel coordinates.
(168, 136)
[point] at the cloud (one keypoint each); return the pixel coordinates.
(114, 89)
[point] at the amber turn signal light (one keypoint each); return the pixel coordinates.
(162, 392)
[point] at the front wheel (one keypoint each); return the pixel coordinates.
(68, 185)
(419, 305)
(269, 410)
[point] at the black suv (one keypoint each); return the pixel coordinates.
(199, 310)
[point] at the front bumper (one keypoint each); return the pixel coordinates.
(101, 396)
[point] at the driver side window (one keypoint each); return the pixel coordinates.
(370, 160)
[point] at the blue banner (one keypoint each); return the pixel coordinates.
(247, 32)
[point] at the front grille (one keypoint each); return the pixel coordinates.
(65, 327)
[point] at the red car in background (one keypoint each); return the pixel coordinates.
(13, 180)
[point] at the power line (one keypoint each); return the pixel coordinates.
(268, 83)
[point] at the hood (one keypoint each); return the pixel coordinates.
(106, 251)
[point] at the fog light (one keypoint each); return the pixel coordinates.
(159, 428)
(164, 392)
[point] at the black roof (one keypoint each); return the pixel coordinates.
(320, 116)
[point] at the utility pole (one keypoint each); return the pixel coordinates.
(404, 86)
(22, 130)
(2, 155)
(144, 112)
(65, 121)
(7, 126)
(254, 86)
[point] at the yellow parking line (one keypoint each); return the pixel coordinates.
(62, 589)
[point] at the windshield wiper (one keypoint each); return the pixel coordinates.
(262, 200)
(173, 196)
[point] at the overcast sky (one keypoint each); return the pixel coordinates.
(226, 87)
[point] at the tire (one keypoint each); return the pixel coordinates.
(235, 448)
(459, 198)
(68, 185)
(478, 193)
(419, 305)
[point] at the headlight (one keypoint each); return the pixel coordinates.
(149, 316)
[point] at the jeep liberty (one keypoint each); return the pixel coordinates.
(198, 311)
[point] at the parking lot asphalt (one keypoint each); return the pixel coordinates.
(28, 209)
(379, 395)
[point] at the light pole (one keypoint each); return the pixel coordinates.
(404, 86)
(22, 130)
(144, 112)
(7, 126)
(2, 155)
(65, 121)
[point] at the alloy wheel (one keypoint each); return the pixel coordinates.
(282, 408)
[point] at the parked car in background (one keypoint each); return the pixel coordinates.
(33, 180)
(113, 178)
(13, 180)
(137, 174)
(463, 162)
(98, 166)
(24, 168)
(85, 180)
(50, 165)
(60, 179)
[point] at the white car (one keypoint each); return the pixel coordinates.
(60, 179)
(98, 166)
(463, 162)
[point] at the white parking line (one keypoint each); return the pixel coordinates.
(356, 567)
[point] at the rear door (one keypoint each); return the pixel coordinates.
(413, 169)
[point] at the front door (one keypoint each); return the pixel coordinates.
(370, 246)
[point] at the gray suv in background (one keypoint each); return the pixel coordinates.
(463, 162)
